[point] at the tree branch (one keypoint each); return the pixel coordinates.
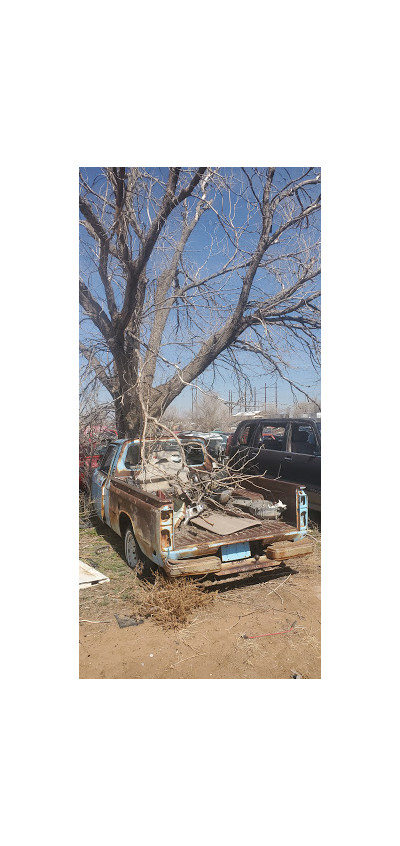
(95, 311)
(97, 228)
(135, 268)
(105, 378)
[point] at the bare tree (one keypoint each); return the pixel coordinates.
(188, 270)
(310, 408)
(210, 413)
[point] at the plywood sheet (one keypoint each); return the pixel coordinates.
(89, 576)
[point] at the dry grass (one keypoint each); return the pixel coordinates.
(171, 602)
(311, 564)
(314, 531)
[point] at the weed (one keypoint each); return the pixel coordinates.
(170, 602)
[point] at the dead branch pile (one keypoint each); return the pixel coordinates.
(164, 466)
(171, 603)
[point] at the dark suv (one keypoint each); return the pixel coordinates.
(282, 448)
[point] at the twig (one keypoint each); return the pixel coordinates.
(278, 594)
(256, 610)
(95, 621)
(269, 634)
(274, 589)
(191, 647)
(185, 659)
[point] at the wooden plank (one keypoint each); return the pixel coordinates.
(282, 550)
(89, 576)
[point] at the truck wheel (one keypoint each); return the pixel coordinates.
(131, 549)
(134, 558)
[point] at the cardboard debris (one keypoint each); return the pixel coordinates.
(224, 524)
(88, 576)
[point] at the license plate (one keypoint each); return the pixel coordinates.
(235, 551)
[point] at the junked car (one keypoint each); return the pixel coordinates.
(214, 441)
(280, 448)
(91, 451)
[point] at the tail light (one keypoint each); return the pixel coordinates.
(228, 445)
(165, 539)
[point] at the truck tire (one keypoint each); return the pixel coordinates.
(134, 557)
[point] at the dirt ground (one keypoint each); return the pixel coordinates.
(211, 644)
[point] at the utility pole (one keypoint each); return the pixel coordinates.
(276, 395)
(265, 398)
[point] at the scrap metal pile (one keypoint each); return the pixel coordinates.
(200, 492)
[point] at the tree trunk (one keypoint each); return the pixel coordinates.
(128, 409)
(129, 417)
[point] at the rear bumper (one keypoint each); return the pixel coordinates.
(212, 564)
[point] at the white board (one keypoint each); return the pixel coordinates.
(89, 576)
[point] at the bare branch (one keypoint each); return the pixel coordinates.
(94, 311)
(100, 370)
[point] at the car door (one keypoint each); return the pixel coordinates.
(100, 490)
(268, 447)
(242, 452)
(303, 458)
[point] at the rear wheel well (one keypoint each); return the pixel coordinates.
(125, 523)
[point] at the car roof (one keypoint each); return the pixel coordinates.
(273, 421)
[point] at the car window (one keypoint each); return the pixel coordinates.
(271, 437)
(152, 448)
(107, 460)
(132, 456)
(214, 446)
(244, 435)
(303, 439)
(194, 453)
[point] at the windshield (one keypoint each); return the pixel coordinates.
(154, 448)
(193, 452)
(165, 450)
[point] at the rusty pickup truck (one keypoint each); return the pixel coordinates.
(175, 511)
